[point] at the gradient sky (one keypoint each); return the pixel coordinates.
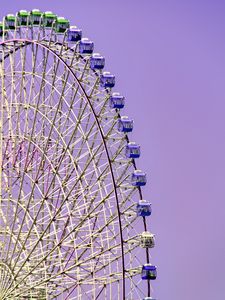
(169, 61)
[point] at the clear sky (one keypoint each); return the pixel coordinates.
(169, 61)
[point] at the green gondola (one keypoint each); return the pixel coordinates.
(61, 25)
(48, 19)
(1, 29)
(22, 18)
(10, 22)
(35, 17)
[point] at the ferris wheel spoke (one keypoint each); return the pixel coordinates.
(13, 88)
(3, 93)
(22, 89)
(115, 258)
(35, 218)
(95, 255)
(53, 248)
(29, 145)
(50, 132)
(94, 236)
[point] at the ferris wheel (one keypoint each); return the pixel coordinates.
(73, 221)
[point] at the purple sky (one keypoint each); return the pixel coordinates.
(169, 61)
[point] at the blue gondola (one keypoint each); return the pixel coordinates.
(116, 101)
(144, 208)
(125, 124)
(97, 61)
(86, 46)
(133, 150)
(147, 240)
(74, 34)
(107, 80)
(149, 272)
(138, 178)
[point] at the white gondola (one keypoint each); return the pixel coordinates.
(147, 240)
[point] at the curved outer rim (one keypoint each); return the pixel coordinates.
(102, 136)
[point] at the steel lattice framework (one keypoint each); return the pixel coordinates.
(68, 222)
